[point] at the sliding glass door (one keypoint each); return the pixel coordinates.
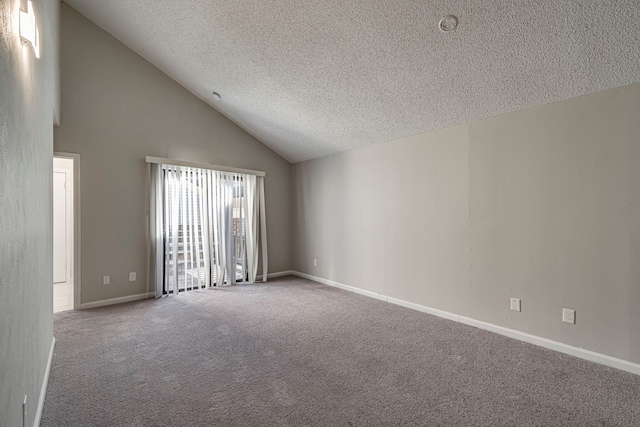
(203, 216)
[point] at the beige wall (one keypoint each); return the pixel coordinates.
(28, 88)
(542, 205)
(116, 109)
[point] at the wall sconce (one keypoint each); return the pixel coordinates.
(29, 30)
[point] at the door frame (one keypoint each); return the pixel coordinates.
(68, 219)
(77, 277)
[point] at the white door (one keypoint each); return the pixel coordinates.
(60, 251)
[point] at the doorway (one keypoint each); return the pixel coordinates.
(63, 233)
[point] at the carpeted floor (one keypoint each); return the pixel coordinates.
(293, 352)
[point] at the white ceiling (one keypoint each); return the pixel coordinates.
(314, 78)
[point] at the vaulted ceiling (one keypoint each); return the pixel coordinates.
(313, 78)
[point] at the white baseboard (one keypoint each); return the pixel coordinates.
(276, 274)
(118, 300)
(129, 298)
(581, 353)
(592, 356)
(341, 286)
(45, 383)
(424, 309)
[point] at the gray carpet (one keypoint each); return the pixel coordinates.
(293, 352)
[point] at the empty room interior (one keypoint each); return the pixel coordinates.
(320, 213)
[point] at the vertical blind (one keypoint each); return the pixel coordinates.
(204, 227)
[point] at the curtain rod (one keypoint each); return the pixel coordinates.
(174, 162)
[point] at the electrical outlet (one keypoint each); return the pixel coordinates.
(132, 276)
(515, 304)
(569, 316)
(106, 280)
(315, 262)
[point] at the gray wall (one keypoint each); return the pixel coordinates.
(542, 205)
(116, 109)
(28, 89)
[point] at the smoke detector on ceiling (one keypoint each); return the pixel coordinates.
(448, 23)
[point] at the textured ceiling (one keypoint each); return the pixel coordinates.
(314, 78)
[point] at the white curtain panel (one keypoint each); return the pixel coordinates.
(155, 239)
(263, 227)
(204, 228)
(256, 222)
